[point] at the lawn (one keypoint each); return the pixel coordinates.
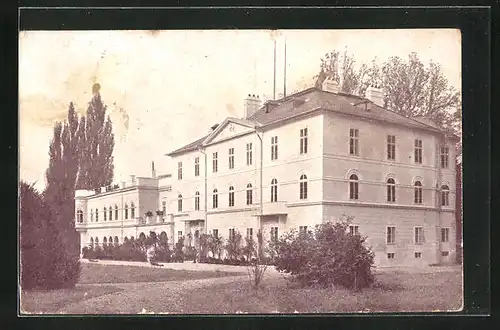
(392, 292)
(103, 276)
(95, 273)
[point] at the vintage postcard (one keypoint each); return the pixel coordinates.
(240, 171)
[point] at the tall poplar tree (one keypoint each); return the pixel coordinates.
(97, 143)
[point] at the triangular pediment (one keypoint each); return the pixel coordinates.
(231, 127)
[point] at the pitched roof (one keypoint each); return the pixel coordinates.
(189, 147)
(313, 99)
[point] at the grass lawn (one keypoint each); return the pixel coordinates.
(392, 292)
(50, 301)
(95, 273)
(39, 301)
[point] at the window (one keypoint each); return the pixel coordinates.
(91, 215)
(197, 166)
(105, 212)
(353, 141)
(231, 158)
(302, 230)
(419, 235)
(418, 255)
(116, 240)
(274, 148)
(418, 192)
(215, 199)
(391, 147)
(353, 230)
(274, 234)
(445, 253)
(444, 157)
(164, 207)
(418, 151)
(445, 235)
(303, 186)
(215, 232)
(274, 190)
(249, 194)
(390, 255)
(391, 190)
(179, 171)
(96, 215)
(104, 241)
(249, 154)
(111, 214)
(214, 162)
(303, 141)
(132, 211)
(179, 235)
(353, 187)
(445, 195)
(91, 243)
(116, 212)
(391, 235)
(197, 201)
(231, 196)
(79, 216)
(250, 233)
(179, 203)
(232, 233)
(96, 241)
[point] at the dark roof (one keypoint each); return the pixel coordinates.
(313, 99)
(190, 147)
(316, 99)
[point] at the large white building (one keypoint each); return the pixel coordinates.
(308, 158)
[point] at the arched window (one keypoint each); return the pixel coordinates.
(215, 199)
(303, 186)
(142, 238)
(125, 240)
(79, 216)
(104, 241)
(96, 215)
(179, 203)
(110, 240)
(249, 194)
(445, 195)
(231, 196)
(96, 241)
(132, 210)
(418, 192)
(163, 238)
(111, 213)
(126, 211)
(196, 201)
(274, 190)
(391, 190)
(116, 212)
(116, 240)
(105, 214)
(91, 243)
(353, 187)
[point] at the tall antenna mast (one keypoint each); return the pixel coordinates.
(274, 76)
(284, 75)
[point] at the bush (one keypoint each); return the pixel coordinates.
(330, 256)
(46, 259)
(233, 246)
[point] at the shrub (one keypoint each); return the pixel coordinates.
(47, 261)
(215, 245)
(178, 250)
(330, 256)
(233, 246)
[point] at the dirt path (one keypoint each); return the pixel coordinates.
(159, 297)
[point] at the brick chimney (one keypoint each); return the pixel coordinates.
(375, 94)
(330, 85)
(252, 105)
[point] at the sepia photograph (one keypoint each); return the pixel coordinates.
(240, 171)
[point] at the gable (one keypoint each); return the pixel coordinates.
(229, 130)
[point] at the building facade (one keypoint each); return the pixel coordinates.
(308, 158)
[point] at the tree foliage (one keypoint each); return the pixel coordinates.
(329, 256)
(233, 246)
(45, 259)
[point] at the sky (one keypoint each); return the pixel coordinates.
(165, 89)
